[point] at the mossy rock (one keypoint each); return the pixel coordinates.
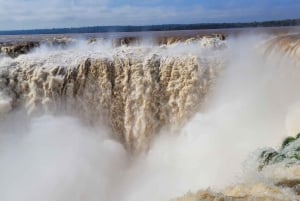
(266, 157)
(288, 154)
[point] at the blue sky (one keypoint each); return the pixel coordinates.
(28, 14)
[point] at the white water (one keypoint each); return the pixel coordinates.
(57, 158)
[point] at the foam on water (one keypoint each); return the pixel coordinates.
(200, 135)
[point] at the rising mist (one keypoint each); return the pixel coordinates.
(144, 121)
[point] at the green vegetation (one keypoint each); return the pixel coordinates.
(287, 141)
(289, 153)
(166, 27)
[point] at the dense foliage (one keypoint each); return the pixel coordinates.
(288, 154)
(166, 27)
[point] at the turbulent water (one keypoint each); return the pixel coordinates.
(92, 120)
(137, 90)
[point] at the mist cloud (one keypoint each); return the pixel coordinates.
(59, 158)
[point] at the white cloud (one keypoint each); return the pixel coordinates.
(27, 14)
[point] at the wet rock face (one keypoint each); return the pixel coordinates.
(15, 49)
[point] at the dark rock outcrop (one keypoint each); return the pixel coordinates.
(15, 49)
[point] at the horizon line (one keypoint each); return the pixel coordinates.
(153, 25)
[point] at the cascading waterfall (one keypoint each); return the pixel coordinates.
(139, 89)
(137, 120)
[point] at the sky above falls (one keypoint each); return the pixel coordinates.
(30, 14)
